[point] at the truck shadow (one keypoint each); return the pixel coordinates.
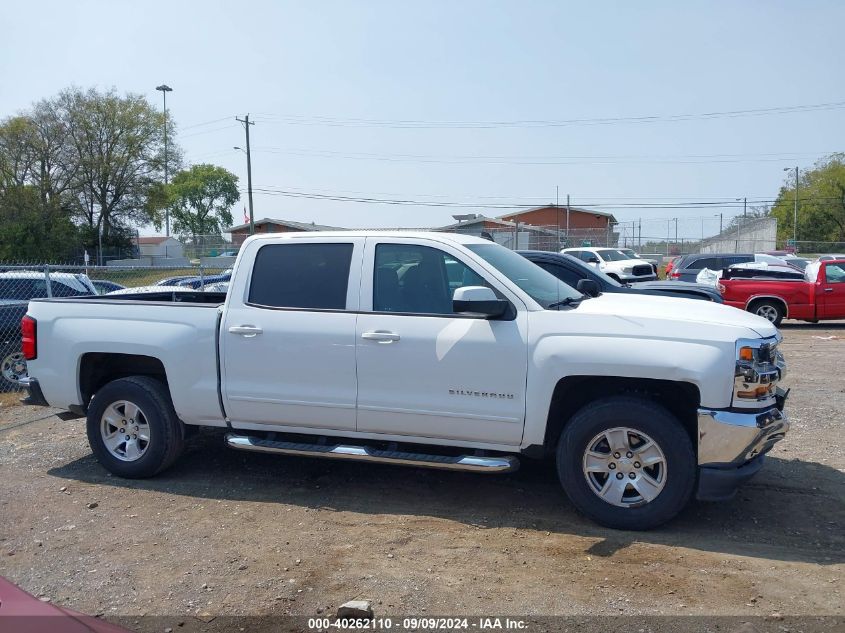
(793, 511)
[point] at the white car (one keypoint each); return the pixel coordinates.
(615, 263)
(432, 350)
(17, 287)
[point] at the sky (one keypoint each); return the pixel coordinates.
(468, 106)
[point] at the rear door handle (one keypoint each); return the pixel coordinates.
(828, 289)
(381, 336)
(246, 330)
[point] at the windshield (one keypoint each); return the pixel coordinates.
(612, 255)
(627, 251)
(593, 271)
(540, 285)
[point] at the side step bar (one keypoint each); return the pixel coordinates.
(473, 463)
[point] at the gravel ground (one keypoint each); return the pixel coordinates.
(225, 532)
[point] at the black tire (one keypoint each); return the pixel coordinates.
(769, 309)
(638, 414)
(11, 360)
(166, 431)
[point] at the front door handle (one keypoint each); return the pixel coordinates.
(247, 331)
(380, 336)
(828, 289)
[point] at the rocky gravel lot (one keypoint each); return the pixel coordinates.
(225, 532)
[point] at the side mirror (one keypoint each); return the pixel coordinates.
(593, 260)
(588, 287)
(478, 300)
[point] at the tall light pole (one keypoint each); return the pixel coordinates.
(247, 123)
(795, 211)
(164, 88)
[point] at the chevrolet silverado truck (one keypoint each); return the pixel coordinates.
(426, 349)
(819, 296)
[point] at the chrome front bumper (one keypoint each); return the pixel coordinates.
(728, 438)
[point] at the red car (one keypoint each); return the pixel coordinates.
(819, 296)
(21, 612)
(671, 265)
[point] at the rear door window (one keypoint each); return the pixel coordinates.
(706, 262)
(570, 277)
(306, 276)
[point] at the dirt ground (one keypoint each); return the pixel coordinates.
(225, 532)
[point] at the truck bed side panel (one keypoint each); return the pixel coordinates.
(180, 335)
(797, 294)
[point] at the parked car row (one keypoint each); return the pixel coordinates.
(573, 271)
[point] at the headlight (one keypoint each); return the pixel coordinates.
(627, 269)
(759, 368)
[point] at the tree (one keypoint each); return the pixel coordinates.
(17, 154)
(116, 145)
(200, 199)
(31, 230)
(95, 157)
(753, 213)
(821, 203)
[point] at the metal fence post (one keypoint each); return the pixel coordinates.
(47, 280)
(202, 278)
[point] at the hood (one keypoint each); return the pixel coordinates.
(675, 316)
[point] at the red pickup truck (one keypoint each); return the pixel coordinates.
(820, 295)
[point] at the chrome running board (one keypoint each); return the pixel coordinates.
(473, 463)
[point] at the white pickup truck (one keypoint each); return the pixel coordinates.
(425, 349)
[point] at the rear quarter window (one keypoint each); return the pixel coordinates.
(306, 276)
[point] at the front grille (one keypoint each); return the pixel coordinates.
(643, 269)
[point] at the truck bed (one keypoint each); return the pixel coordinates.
(796, 295)
(179, 329)
(165, 296)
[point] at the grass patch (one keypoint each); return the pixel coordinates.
(133, 277)
(11, 399)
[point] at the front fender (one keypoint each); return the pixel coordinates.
(709, 365)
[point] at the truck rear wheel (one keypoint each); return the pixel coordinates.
(13, 372)
(768, 309)
(627, 463)
(133, 429)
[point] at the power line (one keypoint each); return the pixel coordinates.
(529, 123)
(204, 123)
(200, 132)
(731, 203)
(541, 160)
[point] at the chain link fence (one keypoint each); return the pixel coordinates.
(21, 282)
(807, 248)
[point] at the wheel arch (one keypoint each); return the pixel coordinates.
(571, 393)
(97, 369)
(776, 298)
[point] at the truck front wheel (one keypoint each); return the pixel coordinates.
(627, 463)
(133, 429)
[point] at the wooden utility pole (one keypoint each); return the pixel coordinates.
(247, 123)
